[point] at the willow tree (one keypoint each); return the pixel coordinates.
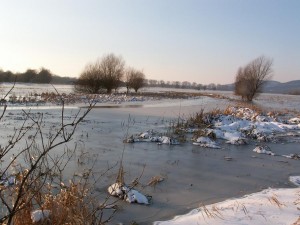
(106, 73)
(134, 79)
(251, 78)
(90, 80)
(112, 70)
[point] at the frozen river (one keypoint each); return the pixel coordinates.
(193, 175)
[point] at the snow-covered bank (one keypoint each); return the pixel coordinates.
(270, 206)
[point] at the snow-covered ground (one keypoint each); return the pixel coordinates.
(270, 206)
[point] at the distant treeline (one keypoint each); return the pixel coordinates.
(186, 85)
(42, 76)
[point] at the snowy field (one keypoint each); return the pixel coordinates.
(252, 169)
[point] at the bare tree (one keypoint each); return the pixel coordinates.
(134, 79)
(153, 83)
(250, 79)
(112, 70)
(90, 80)
(128, 74)
(106, 73)
(31, 174)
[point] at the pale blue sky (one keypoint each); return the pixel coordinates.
(189, 40)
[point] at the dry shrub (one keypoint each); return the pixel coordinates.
(72, 205)
(196, 120)
(69, 206)
(202, 119)
(23, 217)
(204, 133)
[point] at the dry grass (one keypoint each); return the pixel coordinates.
(274, 200)
(297, 201)
(297, 222)
(69, 206)
(210, 214)
(196, 120)
(242, 206)
(72, 205)
(155, 180)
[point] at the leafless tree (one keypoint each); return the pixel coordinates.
(112, 70)
(90, 80)
(106, 72)
(134, 79)
(250, 79)
(31, 174)
(153, 83)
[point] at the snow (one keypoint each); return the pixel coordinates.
(151, 136)
(295, 180)
(292, 156)
(234, 138)
(270, 206)
(244, 122)
(38, 215)
(115, 190)
(145, 135)
(294, 120)
(135, 196)
(206, 142)
(128, 194)
(263, 150)
(165, 140)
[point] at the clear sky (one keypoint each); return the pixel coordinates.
(203, 41)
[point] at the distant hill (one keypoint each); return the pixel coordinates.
(284, 88)
(272, 87)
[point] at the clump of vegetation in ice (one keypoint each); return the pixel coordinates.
(263, 150)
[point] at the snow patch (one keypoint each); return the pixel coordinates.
(39, 215)
(128, 194)
(270, 206)
(295, 180)
(206, 142)
(263, 150)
